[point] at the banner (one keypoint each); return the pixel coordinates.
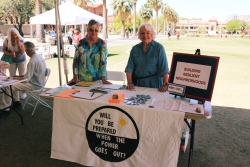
(98, 134)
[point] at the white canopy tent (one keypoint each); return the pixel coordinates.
(65, 14)
(70, 14)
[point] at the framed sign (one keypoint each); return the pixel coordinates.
(196, 72)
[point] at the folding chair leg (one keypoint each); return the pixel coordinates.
(25, 102)
(34, 107)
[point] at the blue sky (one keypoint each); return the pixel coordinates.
(201, 8)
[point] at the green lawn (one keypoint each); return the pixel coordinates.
(232, 86)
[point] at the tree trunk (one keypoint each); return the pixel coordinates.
(123, 28)
(145, 20)
(40, 35)
(104, 26)
(134, 26)
(164, 26)
(156, 22)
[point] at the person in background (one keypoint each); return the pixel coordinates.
(3, 66)
(14, 44)
(147, 65)
(35, 76)
(127, 33)
(178, 34)
(169, 35)
(76, 37)
(90, 60)
(69, 35)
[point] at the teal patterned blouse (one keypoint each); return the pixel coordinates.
(90, 63)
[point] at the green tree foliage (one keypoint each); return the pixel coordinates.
(122, 9)
(18, 12)
(244, 25)
(47, 4)
(146, 12)
(83, 3)
(233, 25)
(156, 5)
(201, 30)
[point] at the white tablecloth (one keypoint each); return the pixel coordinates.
(122, 135)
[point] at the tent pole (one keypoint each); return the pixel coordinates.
(31, 37)
(58, 42)
(83, 31)
(65, 64)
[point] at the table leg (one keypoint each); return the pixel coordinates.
(12, 99)
(191, 149)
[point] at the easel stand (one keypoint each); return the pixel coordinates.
(191, 125)
(192, 128)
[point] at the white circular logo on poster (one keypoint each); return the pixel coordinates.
(112, 133)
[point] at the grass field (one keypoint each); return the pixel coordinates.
(233, 77)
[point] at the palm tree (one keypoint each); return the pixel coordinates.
(122, 9)
(174, 18)
(169, 14)
(40, 35)
(166, 12)
(156, 4)
(83, 3)
(134, 23)
(104, 11)
(146, 12)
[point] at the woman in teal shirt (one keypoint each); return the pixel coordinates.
(147, 65)
(90, 58)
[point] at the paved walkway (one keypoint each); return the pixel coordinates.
(111, 41)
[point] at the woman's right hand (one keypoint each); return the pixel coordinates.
(130, 86)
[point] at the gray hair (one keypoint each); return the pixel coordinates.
(93, 22)
(148, 27)
(30, 47)
(9, 37)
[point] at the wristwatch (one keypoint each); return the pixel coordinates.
(165, 84)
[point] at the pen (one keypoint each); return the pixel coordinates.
(92, 94)
(75, 92)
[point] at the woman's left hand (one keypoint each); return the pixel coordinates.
(106, 82)
(163, 88)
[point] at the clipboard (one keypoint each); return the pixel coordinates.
(84, 84)
(87, 95)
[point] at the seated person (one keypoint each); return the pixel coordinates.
(35, 75)
(3, 66)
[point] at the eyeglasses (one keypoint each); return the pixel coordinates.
(145, 33)
(93, 30)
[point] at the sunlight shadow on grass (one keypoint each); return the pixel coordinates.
(110, 55)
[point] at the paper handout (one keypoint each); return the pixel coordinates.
(176, 105)
(112, 86)
(191, 108)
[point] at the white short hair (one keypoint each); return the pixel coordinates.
(148, 27)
